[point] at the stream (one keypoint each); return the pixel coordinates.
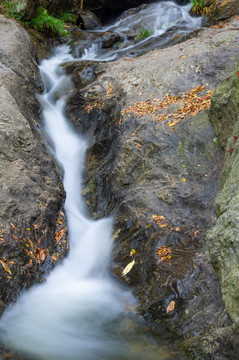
(80, 312)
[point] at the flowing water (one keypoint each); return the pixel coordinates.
(140, 29)
(79, 312)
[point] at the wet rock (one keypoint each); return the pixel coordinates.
(87, 20)
(222, 240)
(109, 39)
(31, 192)
(139, 167)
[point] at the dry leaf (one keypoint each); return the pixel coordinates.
(171, 306)
(6, 268)
(13, 226)
(128, 268)
(163, 225)
(53, 257)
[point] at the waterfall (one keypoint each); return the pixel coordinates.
(69, 316)
(80, 313)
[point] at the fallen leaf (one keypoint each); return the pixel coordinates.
(158, 217)
(138, 145)
(13, 226)
(163, 225)
(128, 268)
(6, 268)
(53, 257)
(171, 306)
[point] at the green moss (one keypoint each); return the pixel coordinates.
(48, 23)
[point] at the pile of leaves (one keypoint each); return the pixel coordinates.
(26, 246)
(191, 102)
(164, 253)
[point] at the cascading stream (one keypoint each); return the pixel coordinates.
(79, 312)
(155, 25)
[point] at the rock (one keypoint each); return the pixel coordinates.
(59, 6)
(25, 9)
(223, 10)
(87, 20)
(225, 109)
(222, 240)
(109, 39)
(138, 167)
(31, 192)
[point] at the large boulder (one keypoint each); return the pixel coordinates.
(159, 181)
(31, 193)
(223, 239)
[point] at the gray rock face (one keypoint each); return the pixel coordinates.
(223, 239)
(31, 193)
(138, 167)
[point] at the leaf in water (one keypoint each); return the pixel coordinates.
(171, 306)
(128, 267)
(6, 268)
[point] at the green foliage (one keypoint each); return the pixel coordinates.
(13, 9)
(197, 6)
(48, 23)
(144, 33)
(202, 7)
(67, 17)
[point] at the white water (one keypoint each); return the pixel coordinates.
(72, 315)
(79, 313)
(157, 18)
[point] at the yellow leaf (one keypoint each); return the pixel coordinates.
(6, 268)
(158, 217)
(163, 225)
(171, 306)
(128, 267)
(116, 234)
(184, 179)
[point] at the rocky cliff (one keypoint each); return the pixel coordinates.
(153, 162)
(31, 192)
(222, 240)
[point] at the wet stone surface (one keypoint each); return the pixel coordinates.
(157, 175)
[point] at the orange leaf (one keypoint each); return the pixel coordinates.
(13, 226)
(171, 306)
(6, 268)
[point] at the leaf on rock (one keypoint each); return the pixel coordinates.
(6, 268)
(171, 306)
(128, 268)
